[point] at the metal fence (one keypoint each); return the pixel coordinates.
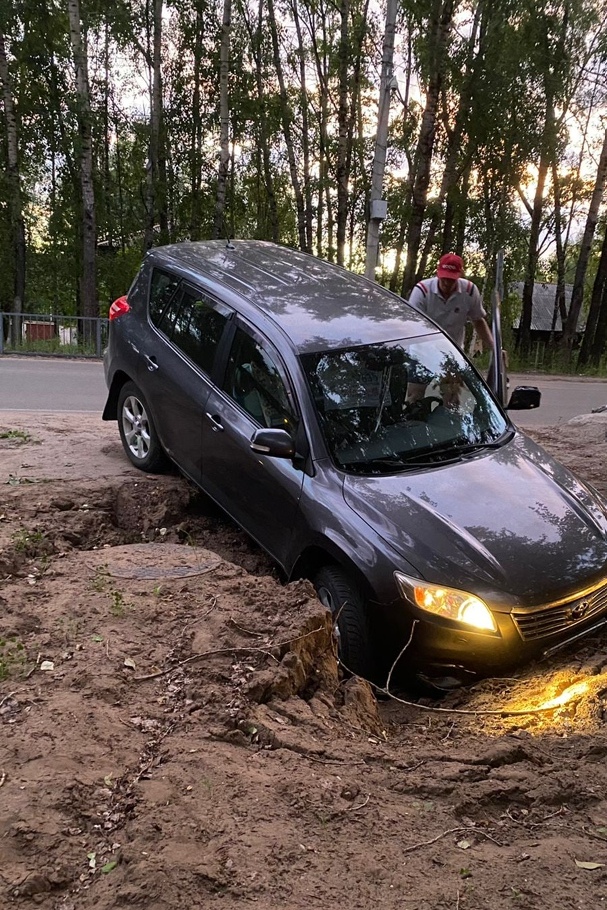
(62, 336)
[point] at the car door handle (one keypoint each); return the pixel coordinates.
(151, 362)
(216, 424)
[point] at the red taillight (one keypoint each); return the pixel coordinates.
(119, 308)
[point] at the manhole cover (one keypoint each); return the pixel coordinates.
(153, 561)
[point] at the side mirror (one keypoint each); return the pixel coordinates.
(524, 398)
(276, 443)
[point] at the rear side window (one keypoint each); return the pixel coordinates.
(197, 328)
(162, 291)
(190, 319)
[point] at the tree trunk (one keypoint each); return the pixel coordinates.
(343, 122)
(324, 191)
(286, 114)
(262, 125)
(425, 144)
(156, 191)
(524, 333)
(88, 282)
(597, 316)
(196, 134)
(577, 295)
(305, 138)
(17, 224)
(456, 146)
(224, 120)
(560, 307)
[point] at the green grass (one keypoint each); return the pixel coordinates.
(12, 657)
(26, 540)
(21, 435)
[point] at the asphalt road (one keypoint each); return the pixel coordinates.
(46, 384)
(563, 397)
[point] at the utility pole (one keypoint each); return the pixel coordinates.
(378, 206)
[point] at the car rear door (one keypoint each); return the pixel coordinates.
(260, 492)
(178, 357)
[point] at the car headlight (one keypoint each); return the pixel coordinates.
(447, 602)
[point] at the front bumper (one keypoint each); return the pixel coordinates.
(437, 645)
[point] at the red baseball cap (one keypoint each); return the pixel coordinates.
(450, 266)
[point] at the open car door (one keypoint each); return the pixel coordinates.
(523, 398)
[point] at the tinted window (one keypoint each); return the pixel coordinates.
(197, 328)
(254, 381)
(162, 290)
(190, 319)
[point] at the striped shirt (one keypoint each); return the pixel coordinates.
(462, 306)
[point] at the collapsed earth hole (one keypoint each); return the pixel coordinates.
(164, 509)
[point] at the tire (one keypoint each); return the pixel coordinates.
(346, 602)
(137, 431)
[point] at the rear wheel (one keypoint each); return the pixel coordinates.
(337, 591)
(137, 431)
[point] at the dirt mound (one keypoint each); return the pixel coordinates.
(176, 731)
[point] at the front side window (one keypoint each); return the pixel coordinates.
(254, 381)
(384, 407)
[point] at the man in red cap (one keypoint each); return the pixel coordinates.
(452, 301)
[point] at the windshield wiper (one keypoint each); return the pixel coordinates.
(462, 448)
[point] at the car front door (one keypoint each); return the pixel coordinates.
(260, 492)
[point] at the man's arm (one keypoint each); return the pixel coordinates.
(484, 333)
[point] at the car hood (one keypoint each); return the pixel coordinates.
(510, 523)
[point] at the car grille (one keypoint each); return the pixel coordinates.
(562, 617)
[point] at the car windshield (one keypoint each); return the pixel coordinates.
(393, 406)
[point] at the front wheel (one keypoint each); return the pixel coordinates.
(137, 431)
(346, 602)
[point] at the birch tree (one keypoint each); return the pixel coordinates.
(89, 305)
(17, 223)
(224, 120)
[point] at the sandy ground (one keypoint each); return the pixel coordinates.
(175, 733)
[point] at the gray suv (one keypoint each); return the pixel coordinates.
(281, 385)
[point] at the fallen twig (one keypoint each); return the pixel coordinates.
(531, 824)
(593, 834)
(350, 808)
(242, 629)
(2, 778)
(428, 843)
(194, 657)
(356, 808)
(7, 698)
(35, 667)
(203, 654)
(333, 761)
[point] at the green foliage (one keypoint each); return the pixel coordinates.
(526, 64)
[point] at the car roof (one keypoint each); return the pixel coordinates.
(317, 304)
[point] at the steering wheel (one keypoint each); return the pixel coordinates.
(421, 408)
